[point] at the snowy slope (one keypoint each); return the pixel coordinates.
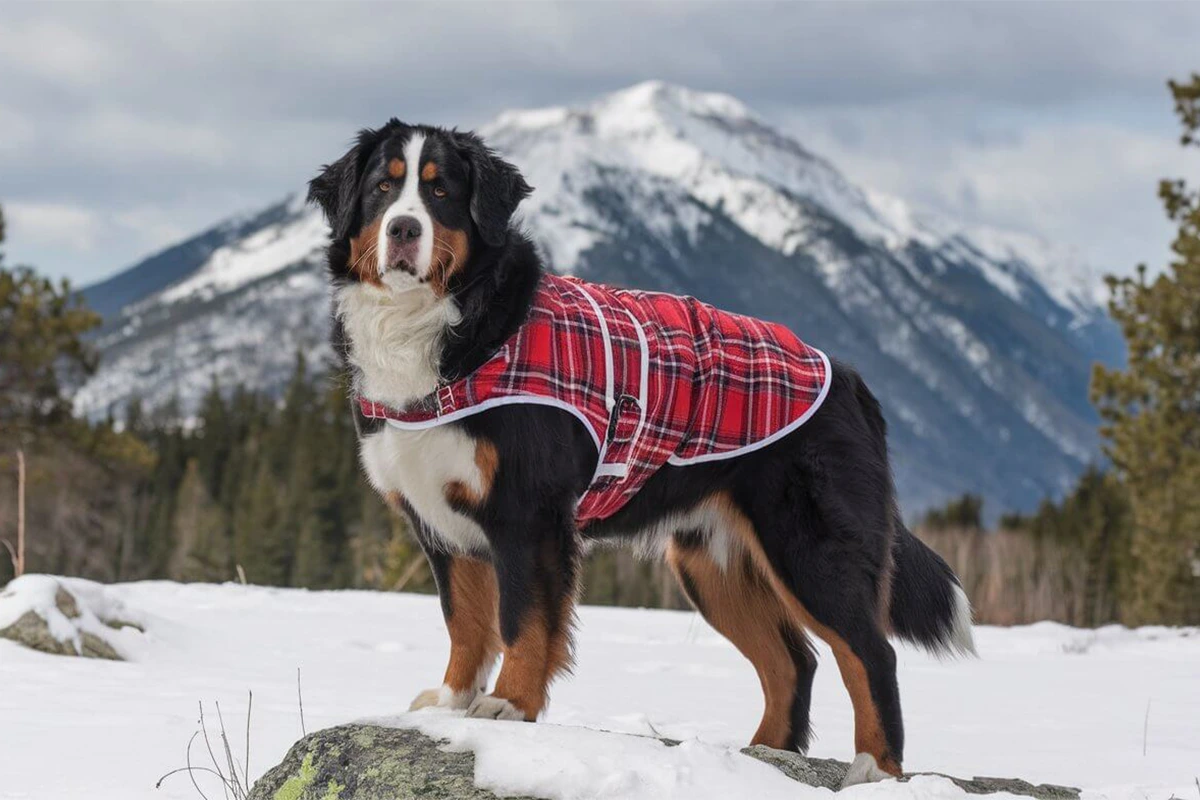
(1046, 702)
(977, 341)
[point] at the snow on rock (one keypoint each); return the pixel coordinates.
(66, 616)
(441, 755)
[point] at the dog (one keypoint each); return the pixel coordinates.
(774, 536)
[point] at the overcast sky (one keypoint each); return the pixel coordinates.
(125, 127)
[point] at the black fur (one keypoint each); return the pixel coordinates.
(805, 661)
(497, 188)
(821, 500)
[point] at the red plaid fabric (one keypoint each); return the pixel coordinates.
(657, 379)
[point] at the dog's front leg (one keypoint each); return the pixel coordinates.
(467, 587)
(536, 579)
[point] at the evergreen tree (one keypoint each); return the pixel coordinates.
(262, 546)
(42, 346)
(215, 439)
(965, 513)
(202, 548)
(1151, 408)
(1093, 523)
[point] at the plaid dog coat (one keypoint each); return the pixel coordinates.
(655, 378)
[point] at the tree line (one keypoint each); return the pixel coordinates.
(268, 489)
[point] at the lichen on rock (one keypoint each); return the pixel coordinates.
(364, 762)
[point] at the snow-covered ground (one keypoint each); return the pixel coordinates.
(1045, 702)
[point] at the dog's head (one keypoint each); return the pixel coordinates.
(412, 204)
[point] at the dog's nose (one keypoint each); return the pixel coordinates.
(404, 228)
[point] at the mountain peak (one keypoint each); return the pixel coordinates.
(712, 148)
(647, 104)
(657, 95)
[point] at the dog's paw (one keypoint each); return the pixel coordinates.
(864, 769)
(443, 697)
(426, 699)
(487, 706)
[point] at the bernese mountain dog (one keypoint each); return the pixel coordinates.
(773, 538)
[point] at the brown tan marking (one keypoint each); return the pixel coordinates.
(522, 679)
(487, 460)
(869, 736)
(473, 622)
(363, 254)
(746, 611)
(538, 655)
(429, 171)
(451, 249)
(395, 501)
(560, 658)
(397, 168)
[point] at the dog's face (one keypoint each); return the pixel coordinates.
(410, 205)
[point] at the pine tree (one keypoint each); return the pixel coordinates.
(202, 548)
(42, 347)
(963, 513)
(1093, 523)
(215, 440)
(262, 546)
(1151, 408)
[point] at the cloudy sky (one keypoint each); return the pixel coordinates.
(124, 127)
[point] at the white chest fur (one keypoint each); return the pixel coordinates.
(419, 465)
(395, 338)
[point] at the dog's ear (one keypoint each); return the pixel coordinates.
(335, 190)
(497, 188)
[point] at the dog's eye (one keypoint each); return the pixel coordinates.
(438, 191)
(384, 186)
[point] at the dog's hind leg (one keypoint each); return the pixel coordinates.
(740, 604)
(837, 597)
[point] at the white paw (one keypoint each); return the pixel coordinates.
(487, 706)
(443, 697)
(425, 699)
(864, 769)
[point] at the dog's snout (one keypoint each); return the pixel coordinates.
(404, 228)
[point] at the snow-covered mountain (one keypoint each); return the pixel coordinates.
(979, 342)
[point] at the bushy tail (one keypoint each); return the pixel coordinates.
(929, 606)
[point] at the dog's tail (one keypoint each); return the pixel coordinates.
(929, 606)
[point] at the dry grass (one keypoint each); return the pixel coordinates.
(1013, 578)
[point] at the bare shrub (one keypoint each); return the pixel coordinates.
(1013, 577)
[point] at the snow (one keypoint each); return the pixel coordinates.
(1044, 702)
(303, 235)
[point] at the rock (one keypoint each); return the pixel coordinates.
(826, 772)
(33, 632)
(371, 762)
(829, 772)
(368, 762)
(1043, 791)
(66, 603)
